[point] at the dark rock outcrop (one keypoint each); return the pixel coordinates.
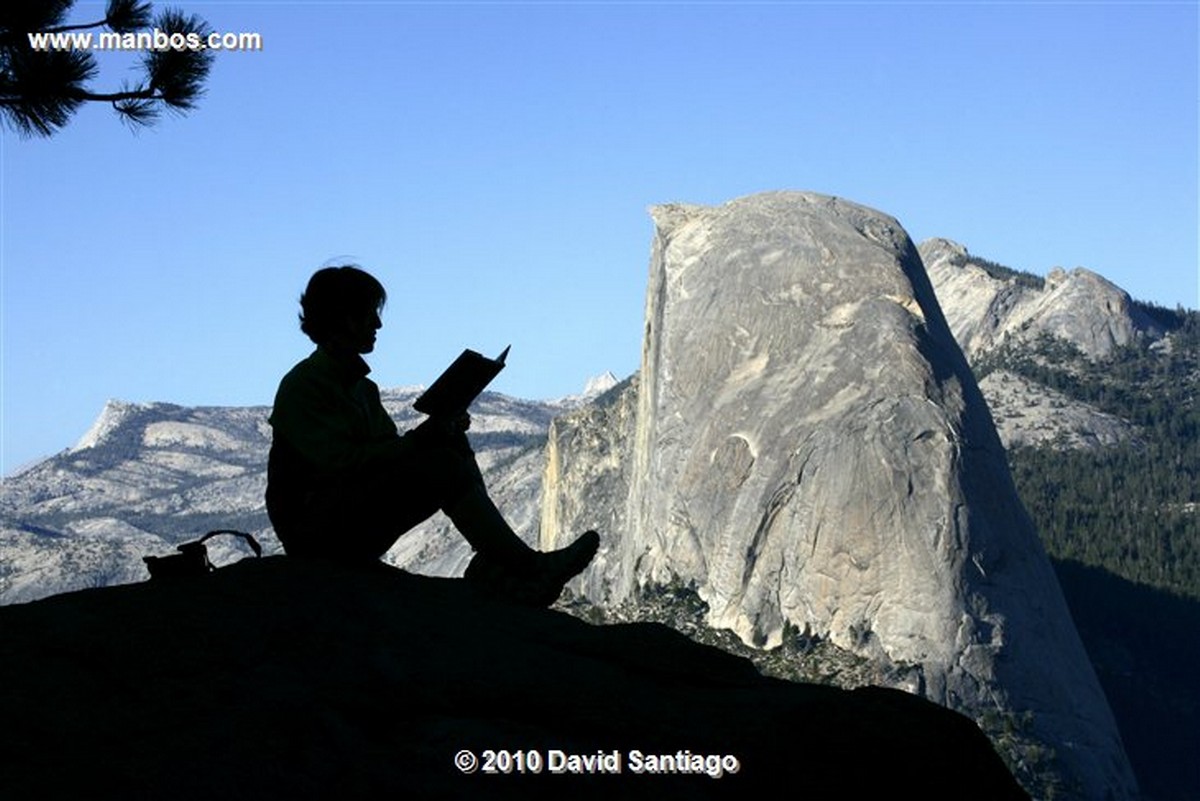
(276, 679)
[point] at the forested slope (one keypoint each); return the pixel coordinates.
(1131, 509)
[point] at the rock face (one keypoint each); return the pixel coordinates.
(248, 684)
(807, 445)
(1027, 413)
(985, 310)
(992, 309)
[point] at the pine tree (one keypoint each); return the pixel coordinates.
(1129, 508)
(42, 86)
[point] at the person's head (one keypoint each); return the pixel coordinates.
(340, 308)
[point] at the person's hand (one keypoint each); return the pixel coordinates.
(441, 428)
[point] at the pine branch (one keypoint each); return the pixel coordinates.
(179, 75)
(121, 16)
(40, 90)
(82, 26)
(137, 112)
(124, 16)
(18, 17)
(114, 97)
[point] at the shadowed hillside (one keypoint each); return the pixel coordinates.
(1143, 644)
(282, 679)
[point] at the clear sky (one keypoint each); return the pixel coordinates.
(492, 164)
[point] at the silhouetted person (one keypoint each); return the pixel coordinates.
(343, 484)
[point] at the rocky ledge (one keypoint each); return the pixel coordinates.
(275, 678)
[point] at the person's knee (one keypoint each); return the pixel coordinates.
(448, 474)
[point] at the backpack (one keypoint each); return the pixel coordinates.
(192, 559)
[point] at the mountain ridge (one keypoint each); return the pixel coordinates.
(986, 309)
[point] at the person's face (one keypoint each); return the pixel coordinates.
(358, 333)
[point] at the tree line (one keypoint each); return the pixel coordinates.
(1132, 509)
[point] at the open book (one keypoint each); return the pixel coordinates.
(460, 384)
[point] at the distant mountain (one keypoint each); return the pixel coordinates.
(995, 310)
(1089, 388)
(988, 304)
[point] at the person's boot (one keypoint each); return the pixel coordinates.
(560, 566)
(504, 565)
(539, 587)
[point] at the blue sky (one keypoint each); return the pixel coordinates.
(492, 165)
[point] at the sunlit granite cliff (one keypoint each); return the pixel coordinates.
(806, 444)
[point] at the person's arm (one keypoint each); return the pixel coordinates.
(441, 427)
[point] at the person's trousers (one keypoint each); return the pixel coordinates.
(359, 517)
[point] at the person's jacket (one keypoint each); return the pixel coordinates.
(329, 429)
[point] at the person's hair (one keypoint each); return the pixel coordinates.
(334, 293)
